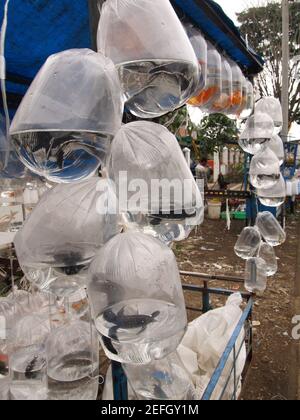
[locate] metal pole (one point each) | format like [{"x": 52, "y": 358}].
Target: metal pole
[{"x": 285, "y": 67}]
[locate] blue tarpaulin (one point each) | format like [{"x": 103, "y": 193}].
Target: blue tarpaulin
[{"x": 39, "y": 28}]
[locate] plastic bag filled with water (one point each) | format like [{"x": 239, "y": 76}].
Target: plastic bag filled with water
[
  {"x": 68, "y": 117},
  {"x": 248, "y": 243},
  {"x": 267, "y": 253},
  {"x": 247, "y": 107},
  {"x": 147, "y": 163},
  {"x": 277, "y": 146},
  {"x": 270, "y": 229},
  {"x": 27, "y": 359},
  {"x": 212, "y": 88},
  {"x": 273, "y": 108},
  {"x": 256, "y": 275},
  {"x": 257, "y": 133},
  {"x": 63, "y": 233},
  {"x": 265, "y": 170},
  {"x": 156, "y": 62},
  {"x": 275, "y": 196},
  {"x": 161, "y": 380},
  {"x": 223, "y": 102},
  {"x": 237, "y": 90},
  {"x": 73, "y": 363},
  {"x": 137, "y": 299},
  {"x": 10, "y": 165},
  {"x": 200, "y": 47}
]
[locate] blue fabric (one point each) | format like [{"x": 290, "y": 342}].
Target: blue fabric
[{"x": 36, "y": 29}]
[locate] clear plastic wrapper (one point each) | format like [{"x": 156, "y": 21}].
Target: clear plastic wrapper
[
  {"x": 156, "y": 62},
  {"x": 223, "y": 102},
  {"x": 265, "y": 170},
  {"x": 267, "y": 253},
  {"x": 270, "y": 229},
  {"x": 63, "y": 233},
  {"x": 137, "y": 299},
  {"x": 213, "y": 84},
  {"x": 163, "y": 380},
  {"x": 256, "y": 275},
  {"x": 275, "y": 196},
  {"x": 273, "y": 108},
  {"x": 257, "y": 133},
  {"x": 68, "y": 117},
  {"x": 73, "y": 363},
  {"x": 147, "y": 162},
  {"x": 248, "y": 243}
]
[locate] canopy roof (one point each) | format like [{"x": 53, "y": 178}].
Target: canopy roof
[{"x": 37, "y": 29}]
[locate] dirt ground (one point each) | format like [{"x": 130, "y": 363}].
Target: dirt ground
[{"x": 210, "y": 250}]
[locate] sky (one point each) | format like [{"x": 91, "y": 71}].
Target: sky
[{"x": 231, "y": 7}]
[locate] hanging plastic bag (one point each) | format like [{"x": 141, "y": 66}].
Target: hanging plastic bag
[
  {"x": 157, "y": 65},
  {"x": 256, "y": 275},
  {"x": 257, "y": 133},
  {"x": 10, "y": 165},
  {"x": 247, "y": 106},
  {"x": 267, "y": 253},
  {"x": 162, "y": 380},
  {"x": 200, "y": 47},
  {"x": 213, "y": 85},
  {"x": 270, "y": 229},
  {"x": 147, "y": 162},
  {"x": 64, "y": 231},
  {"x": 73, "y": 363},
  {"x": 273, "y": 108},
  {"x": 265, "y": 170},
  {"x": 68, "y": 117},
  {"x": 276, "y": 145},
  {"x": 237, "y": 90},
  {"x": 275, "y": 196},
  {"x": 137, "y": 299},
  {"x": 248, "y": 243},
  {"x": 223, "y": 102}
]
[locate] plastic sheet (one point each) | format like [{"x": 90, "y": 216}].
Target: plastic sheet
[
  {"x": 157, "y": 77},
  {"x": 265, "y": 170},
  {"x": 64, "y": 231},
  {"x": 68, "y": 117},
  {"x": 257, "y": 133},
  {"x": 137, "y": 299}
]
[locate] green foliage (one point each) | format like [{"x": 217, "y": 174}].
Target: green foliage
[
  {"x": 213, "y": 133},
  {"x": 263, "y": 27}
]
